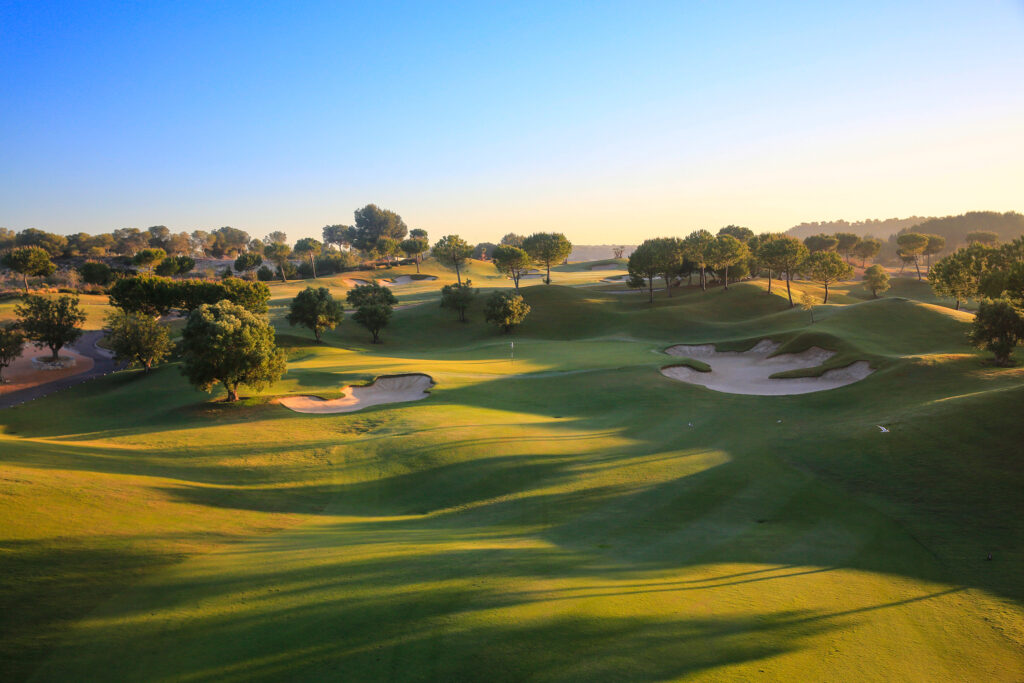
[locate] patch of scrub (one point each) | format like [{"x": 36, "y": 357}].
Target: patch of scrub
[
  {"x": 750, "y": 372},
  {"x": 406, "y": 280},
  {"x": 386, "y": 389}
]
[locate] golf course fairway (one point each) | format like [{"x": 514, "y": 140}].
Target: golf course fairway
[{"x": 563, "y": 513}]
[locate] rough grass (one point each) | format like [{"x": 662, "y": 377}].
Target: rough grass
[{"x": 550, "y": 517}]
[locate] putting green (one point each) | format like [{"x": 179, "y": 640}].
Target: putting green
[{"x": 568, "y": 513}]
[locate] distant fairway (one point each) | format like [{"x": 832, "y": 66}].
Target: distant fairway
[{"x": 571, "y": 515}]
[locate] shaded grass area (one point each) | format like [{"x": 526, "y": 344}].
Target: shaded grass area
[{"x": 551, "y": 517}]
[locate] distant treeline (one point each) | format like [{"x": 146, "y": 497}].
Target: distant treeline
[{"x": 868, "y": 228}]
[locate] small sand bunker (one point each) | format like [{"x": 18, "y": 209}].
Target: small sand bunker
[
  {"x": 386, "y": 389},
  {"x": 406, "y": 280},
  {"x": 352, "y": 282},
  {"x": 749, "y": 372}
]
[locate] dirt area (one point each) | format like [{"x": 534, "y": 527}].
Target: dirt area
[{"x": 22, "y": 375}]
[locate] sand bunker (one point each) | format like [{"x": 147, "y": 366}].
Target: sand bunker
[
  {"x": 406, "y": 279},
  {"x": 749, "y": 372},
  {"x": 352, "y": 282},
  {"x": 386, "y": 389}
]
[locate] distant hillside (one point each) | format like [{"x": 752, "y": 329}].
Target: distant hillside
[
  {"x": 1009, "y": 226},
  {"x": 598, "y": 252},
  {"x": 876, "y": 228}
]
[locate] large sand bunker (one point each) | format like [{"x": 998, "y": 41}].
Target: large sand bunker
[
  {"x": 406, "y": 280},
  {"x": 386, "y": 389},
  {"x": 749, "y": 372}
]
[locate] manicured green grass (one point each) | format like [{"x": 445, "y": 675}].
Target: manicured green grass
[{"x": 552, "y": 516}]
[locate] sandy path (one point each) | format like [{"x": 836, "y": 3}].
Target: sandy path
[
  {"x": 749, "y": 372},
  {"x": 387, "y": 389}
]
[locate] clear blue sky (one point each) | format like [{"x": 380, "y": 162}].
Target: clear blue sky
[{"x": 609, "y": 121}]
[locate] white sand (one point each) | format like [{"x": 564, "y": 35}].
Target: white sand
[
  {"x": 405, "y": 280},
  {"x": 749, "y": 372},
  {"x": 352, "y": 282},
  {"x": 387, "y": 389}
]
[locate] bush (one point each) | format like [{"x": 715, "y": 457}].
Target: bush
[
  {"x": 506, "y": 310},
  {"x": 265, "y": 274},
  {"x": 95, "y": 273}
]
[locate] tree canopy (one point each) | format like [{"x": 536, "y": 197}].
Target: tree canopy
[
  {"x": 546, "y": 248},
  {"x": 452, "y": 251},
  {"x": 223, "y": 343},
  {"x": 876, "y": 279},
  {"x": 728, "y": 251},
  {"x": 506, "y": 310},
  {"x": 821, "y": 242},
  {"x": 826, "y": 267},
  {"x": 137, "y": 339},
  {"x": 784, "y": 254},
  {"x": 51, "y": 322},
  {"x": 373, "y": 305},
  {"x": 999, "y": 328},
  {"x": 278, "y": 253},
  {"x": 372, "y": 223},
  {"x": 31, "y": 261},
  {"x": 11, "y": 342},
  {"x": 698, "y": 248},
  {"x": 316, "y": 309},
  {"x": 511, "y": 261},
  {"x": 458, "y": 297},
  {"x": 310, "y": 248}
]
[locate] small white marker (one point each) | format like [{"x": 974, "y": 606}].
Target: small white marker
[{"x": 884, "y": 430}]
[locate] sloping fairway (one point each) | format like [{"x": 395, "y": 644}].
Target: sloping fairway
[{"x": 571, "y": 515}]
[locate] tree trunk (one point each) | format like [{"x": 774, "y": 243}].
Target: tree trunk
[
  {"x": 280, "y": 269},
  {"x": 826, "y": 294},
  {"x": 548, "y": 281},
  {"x": 769, "y": 280},
  {"x": 515, "y": 279},
  {"x": 668, "y": 285},
  {"x": 232, "y": 392},
  {"x": 789, "y": 292},
  {"x": 650, "y": 289},
  {"x": 56, "y": 351},
  {"x": 312, "y": 264},
  {"x": 376, "y": 336},
  {"x": 457, "y": 273},
  {"x": 727, "y": 277},
  {"x": 703, "y": 280},
  {"x": 917, "y": 265},
  {"x": 417, "y": 264},
  {"x": 958, "y": 304}
]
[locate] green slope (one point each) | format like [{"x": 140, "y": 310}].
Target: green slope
[{"x": 554, "y": 518}]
